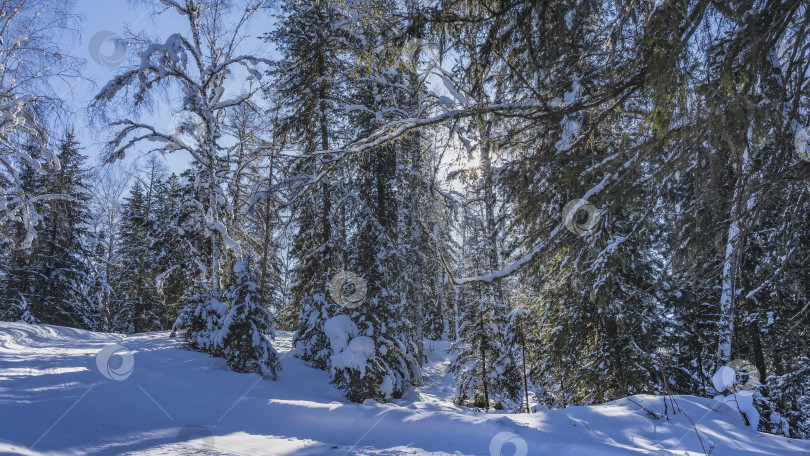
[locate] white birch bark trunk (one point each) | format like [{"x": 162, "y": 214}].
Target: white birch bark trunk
[{"x": 734, "y": 246}]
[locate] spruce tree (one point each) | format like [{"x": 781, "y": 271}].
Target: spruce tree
[
  {"x": 175, "y": 243},
  {"x": 246, "y": 328},
  {"x": 482, "y": 361},
  {"x": 139, "y": 309},
  {"x": 390, "y": 365},
  {"x": 49, "y": 280},
  {"x": 308, "y": 80}
]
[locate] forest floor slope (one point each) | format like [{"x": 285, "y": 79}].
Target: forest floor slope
[{"x": 67, "y": 391}]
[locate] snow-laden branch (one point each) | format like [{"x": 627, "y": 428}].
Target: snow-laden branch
[{"x": 135, "y": 133}]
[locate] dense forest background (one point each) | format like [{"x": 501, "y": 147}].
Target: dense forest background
[{"x": 592, "y": 199}]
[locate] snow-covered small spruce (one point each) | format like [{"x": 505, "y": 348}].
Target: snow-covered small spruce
[
  {"x": 200, "y": 320},
  {"x": 246, "y": 330}
]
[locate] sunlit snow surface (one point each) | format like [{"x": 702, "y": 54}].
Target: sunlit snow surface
[{"x": 54, "y": 399}]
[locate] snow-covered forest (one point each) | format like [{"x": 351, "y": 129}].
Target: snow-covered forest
[{"x": 529, "y": 206}]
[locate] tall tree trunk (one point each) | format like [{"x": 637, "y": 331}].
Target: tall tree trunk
[
  {"x": 756, "y": 342},
  {"x": 215, "y": 262},
  {"x": 414, "y": 182},
  {"x": 523, "y": 358},
  {"x": 324, "y": 132},
  {"x": 263, "y": 279},
  {"x": 442, "y": 282},
  {"x": 456, "y": 318},
  {"x": 734, "y": 245},
  {"x": 216, "y": 236},
  {"x": 483, "y": 357},
  {"x": 416, "y": 241},
  {"x": 489, "y": 207}
]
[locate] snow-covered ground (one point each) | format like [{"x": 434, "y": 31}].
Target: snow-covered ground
[{"x": 67, "y": 391}]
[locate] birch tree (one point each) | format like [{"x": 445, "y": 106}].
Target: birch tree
[
  {"x": 203, "y": 63},
  {"x": 30, "y": 66}
]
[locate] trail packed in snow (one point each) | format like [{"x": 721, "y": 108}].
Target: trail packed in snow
[{"x": 68, "y": 391}]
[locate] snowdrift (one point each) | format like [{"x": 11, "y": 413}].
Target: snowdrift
[{"x": 67, "y": 391}]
